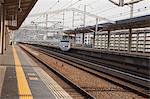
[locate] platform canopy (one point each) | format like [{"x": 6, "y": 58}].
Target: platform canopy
[
  {"x": 16, "y": 11},
  {"x": 137, "y": 22}
]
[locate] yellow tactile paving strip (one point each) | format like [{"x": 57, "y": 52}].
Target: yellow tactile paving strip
[
  {"x": 56, "y": 89},
  {"x": 51, "y": 84},
  {"x": 23, "y": 87}
]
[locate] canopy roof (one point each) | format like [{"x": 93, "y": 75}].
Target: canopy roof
[
  {"x": 137, "y": 22},
  {"x": 16, "y": 11}
]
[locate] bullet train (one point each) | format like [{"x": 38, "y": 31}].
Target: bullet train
[{"x": 64, "y": 44}]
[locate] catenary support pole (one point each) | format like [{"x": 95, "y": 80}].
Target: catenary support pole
[
  {"x": 73, "y": 20},
  {"x": 96, "y": 30},
  {"x": 83, "y": 34}
]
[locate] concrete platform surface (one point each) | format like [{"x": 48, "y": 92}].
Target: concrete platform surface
[{"x": 22, "y": 78}]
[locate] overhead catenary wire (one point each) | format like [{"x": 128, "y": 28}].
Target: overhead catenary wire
[
  {"x": 67, "y": 7},
  {"x": 105, "y": 10},
  {"x": 67, "y": 4},
  {"x": 72, "y": 3},
  {"x": 47, "y": 10},
  {"x": 138, "y": 10},
  {"x": 93, "y": 2}
]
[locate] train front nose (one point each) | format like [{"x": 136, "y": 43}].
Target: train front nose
[{"x": 64, "y": 45}]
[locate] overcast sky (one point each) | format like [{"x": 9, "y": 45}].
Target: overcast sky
[{"x": 102, "y": 8}]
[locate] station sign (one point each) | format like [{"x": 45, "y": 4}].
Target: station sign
[{"x": 11, "y": 23}]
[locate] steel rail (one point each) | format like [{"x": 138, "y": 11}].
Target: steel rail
[
  {"x": 68, "y": 81},
  {"x": 134, "y": 82}
]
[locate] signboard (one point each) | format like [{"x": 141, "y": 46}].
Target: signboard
[{"x": 12, "y": 23}]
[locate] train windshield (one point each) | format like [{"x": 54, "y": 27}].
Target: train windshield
[{"x": 64, "y": 41}]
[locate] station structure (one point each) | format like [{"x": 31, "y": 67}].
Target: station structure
[
  {"x": 119, "y": 53},
  {"x": 13, "y": 13}
]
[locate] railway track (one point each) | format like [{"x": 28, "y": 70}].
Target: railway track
[
  {"x": 131, "y": 68},
  {"x": 79, "y": 94},
  {"x": 138, "y": 70},
  {"x": 137, "y": 84}
]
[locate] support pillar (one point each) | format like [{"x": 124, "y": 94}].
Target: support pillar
[
  {"x": 96, "y": 30},
  {"x": 83, "y": 39},
  {"x": 2, "y": 28},
  {"x": 5, "y": 38},
  {"x": 74, "y": 40},
  {"x": 108, "y": 41},
  {"x": 94, "y": 39},
  {"x": 129, "y": 41}
]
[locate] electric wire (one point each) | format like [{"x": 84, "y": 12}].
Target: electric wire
[
  {"x": 68, "y": 5},
  {"x": 138, "y": 10},
  {"x": 93, "y": 2},
  {"x": 47, "y": 10}
]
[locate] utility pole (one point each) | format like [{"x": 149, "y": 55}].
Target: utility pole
[
  {"x": 84, "y": 15},
  {"x": 96, "y": 30},
  {"x": 63, "y": 19},
  {"x": 83, "y": 25},
  {"x": 121, "y": 3},
  {"x": 131, "y": 10},
  {"x": 73, "y": 20},
  {"x": 130, "y": 4},
  {"x": 46, "y": 23},
  {"x": 73, "y": 27}
]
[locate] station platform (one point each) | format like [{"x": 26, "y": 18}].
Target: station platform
[
  {"x": 125, "y": 53},
  {"x": 22, "y": 78}
]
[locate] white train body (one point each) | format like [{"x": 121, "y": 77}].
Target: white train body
[{"x": 64, "y": 45}]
